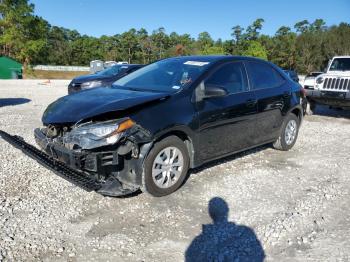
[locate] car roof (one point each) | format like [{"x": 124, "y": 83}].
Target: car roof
[
  {"x": 344, "y": 56},
  {"x": 215, "y": 58},
  {"x": 127, "y": 65}
]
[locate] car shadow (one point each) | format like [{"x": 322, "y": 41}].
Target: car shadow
[
  {"x": 322, "y": 110},
  {"x": 223, "y": 240},
  {"x": 130, "y": 195},
  {"x": 13, "y": 101}
]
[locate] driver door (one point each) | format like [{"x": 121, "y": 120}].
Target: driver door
[{"x": 226, "y": 123}]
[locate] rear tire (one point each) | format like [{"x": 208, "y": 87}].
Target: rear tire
[
  {"x": 289, "y": 133},
  {"x": 165, "y": 167}
]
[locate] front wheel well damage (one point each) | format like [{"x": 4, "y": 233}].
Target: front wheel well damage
[{"x": 185, "y": 138}]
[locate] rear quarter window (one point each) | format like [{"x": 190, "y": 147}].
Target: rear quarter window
[{"x": 263, "y": 75}]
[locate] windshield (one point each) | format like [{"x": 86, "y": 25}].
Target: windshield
[
  {"x": 111, "y": 71},
  {"x": 167, "y": 75},
  {"x": 340, "y": 64},
  {"x": 314, "y": 74}
]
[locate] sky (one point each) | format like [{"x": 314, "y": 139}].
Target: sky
[{"x": 110, "y": 17}]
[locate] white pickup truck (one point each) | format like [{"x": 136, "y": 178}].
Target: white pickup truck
[{"x": 333, "y": 87}]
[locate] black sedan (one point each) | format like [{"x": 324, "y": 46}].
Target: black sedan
[
  {"x": 103, "y": 78},
  {"x": 153, "y": 125}
]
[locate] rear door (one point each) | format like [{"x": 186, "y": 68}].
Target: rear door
[
  {"x": 273, "y": 94},
  {"x": 226, "y": 124}
]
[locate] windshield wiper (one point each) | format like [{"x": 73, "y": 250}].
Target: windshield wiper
[{"x": 138, "y": 89}]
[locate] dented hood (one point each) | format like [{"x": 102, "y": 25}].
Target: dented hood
[{"x": 90, "y": 103}]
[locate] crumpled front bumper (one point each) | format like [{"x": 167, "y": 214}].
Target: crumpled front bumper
[
  {"x": 96, "y": 162},
  {"x": 66, "y": 164},
  {"x": 78, "y": 178}
]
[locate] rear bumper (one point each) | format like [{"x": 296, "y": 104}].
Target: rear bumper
[
  {"x": 73, "y": 166},
  {"x": 332, "y": 98}
]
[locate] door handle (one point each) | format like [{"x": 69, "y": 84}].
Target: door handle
[{"x": 251, "y": 102}]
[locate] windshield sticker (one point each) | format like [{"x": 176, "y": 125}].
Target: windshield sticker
[
  {"x": 196, "y": 63},
  {"x": 176, "y": 87}
]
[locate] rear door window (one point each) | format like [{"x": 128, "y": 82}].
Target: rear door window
[{"x": 262, "y": 75}]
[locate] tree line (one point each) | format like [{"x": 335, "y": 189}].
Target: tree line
[{"x": 32, "y": 40}]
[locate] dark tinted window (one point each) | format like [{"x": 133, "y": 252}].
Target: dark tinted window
[
  {"x": 263, "y": 75},
  {"x": 314, "y": 74},
  {"x": 230, "y": 76},
  {"x": 113, "y": 70},
  {"x": 132, "y": 69}
]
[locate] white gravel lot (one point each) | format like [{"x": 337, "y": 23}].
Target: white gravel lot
[{"x": 297, "y": 203}]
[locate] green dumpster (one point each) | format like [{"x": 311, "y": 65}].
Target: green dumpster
[{"x": 9, "y": 68}]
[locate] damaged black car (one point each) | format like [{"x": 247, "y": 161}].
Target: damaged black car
[{"x": 153, "y": 125}]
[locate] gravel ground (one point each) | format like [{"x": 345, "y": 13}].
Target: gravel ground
[{"x": 286, "y": 206}]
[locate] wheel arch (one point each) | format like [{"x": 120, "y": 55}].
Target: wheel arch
[
  {"x": 298, "y": 111},
  {"x": 184, "y": 135}
]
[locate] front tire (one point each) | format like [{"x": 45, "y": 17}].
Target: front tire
[
  {"x": 289, "y": 133},
  {"x": 165, "y": 167}
]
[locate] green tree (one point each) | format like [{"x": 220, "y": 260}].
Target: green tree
[
  {"x": 310, "y": 45},
  {"x": 213, "y": 50},
  {"x": 302, "y": 26},
  {"x": 318, "y": 25},
  {"x": 255, "y": 49},
  {"x": 204, "y": 41},
  {"x": 237, "y": 32},
  {"x": 58, "y": 51},
  {"x": 23, "y": 35},
  {"x": 129, "y": 44},
  {"x": 252, "y": 32},
  {"x": 145, "y": 45},
  {"x": 336, "y": 42},
  {"x": 159, "y": 43},
  {"x": 30, "y": 39},
  {"x": 245, "y": 41},
  {"x": 283, "y": 48},
  {"x": 180, "y": 45}
]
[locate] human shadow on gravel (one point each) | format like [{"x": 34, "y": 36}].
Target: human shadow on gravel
[
  {"x": 13, "y": 101},
  {"x": 224, "y": 240}
]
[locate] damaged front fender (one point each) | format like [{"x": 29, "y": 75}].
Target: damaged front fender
[{"x": 130, "y": 176}]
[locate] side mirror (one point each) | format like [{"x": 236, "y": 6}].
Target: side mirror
[{"x": 214, "y": 91}]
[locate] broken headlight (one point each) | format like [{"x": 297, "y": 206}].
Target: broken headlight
[{"x": 93, "y": 135}]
